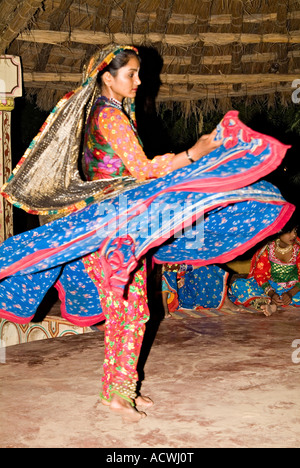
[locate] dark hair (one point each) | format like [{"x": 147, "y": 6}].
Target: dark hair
[
  {"x": 120, "y": 60},
  {"x": 293, "y": 223}
]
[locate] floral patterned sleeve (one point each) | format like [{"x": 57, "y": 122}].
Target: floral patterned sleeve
[
  {"x": 116, "y": 129},
  {"x": 262, "y": 270}
]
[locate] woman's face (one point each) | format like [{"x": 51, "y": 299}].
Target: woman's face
[
  {"x": 126, "y": 82},
  {"x": 289, "y": 237}
]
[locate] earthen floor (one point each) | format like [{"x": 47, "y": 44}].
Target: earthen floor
[{"x": 229, "y": 381}]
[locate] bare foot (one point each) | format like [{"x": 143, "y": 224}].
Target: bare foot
[
  {"x": 128, "y": 412},
  {"x": 105, "y": 402},
  {"x": 269, "y": 309},
  {"x": 143, "y": 401}
]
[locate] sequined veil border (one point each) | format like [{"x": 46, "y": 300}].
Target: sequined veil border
[{"x": 58, "y": 188}]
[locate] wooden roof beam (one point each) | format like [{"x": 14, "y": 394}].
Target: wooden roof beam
[
  {"x": 180, "y": 93},
  {"x": 178, "y": 40},
  {"x": 168, "y": 60},
  {"x": 171, "y": 79},
  {"x": 261, "y": 57},
  {"x": 184, "y": 18}
]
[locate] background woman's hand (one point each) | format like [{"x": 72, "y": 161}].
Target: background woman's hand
[
  {"x": 286, "y": 298},
  {"x": 276, "y": 299}
]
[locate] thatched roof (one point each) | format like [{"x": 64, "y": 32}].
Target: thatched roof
[{"x": 212, "y": 50}]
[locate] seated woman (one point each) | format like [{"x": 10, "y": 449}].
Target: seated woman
[
  {"x": 274, "y": 278},
  {"x": 190, "y": 287}
]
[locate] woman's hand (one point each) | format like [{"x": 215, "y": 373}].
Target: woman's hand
[
  {"x": 276, "y": 299},
  {"x": 286, "y": 298},
  {"x": 205, "y": 145}
]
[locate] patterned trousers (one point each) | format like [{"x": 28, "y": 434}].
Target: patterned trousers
[{"x": 125, "y": 323}]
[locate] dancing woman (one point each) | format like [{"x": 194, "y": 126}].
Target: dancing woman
[
  {"x": 92, "y": 248},
  {"x": 112, "y": 149}
]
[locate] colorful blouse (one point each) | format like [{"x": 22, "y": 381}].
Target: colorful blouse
[
  {"x": 112, "y": 147},
  {"x": 266, "y": 266}
]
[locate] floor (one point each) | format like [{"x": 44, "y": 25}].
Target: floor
[{"x": 220, "y": 381}]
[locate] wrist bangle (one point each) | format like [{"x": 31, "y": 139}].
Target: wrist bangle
[
  {"x": 190, "y": 157},
  {"x": 269, "y": 289}
]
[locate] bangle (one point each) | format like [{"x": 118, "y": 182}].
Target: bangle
[
  {"x": 190, "y": 157},
  {"x": 269, "y": 289}
]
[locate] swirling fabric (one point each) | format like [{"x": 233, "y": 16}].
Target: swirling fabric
[{"x": 207, "y": 212}]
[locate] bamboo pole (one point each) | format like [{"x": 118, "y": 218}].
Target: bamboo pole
[
  {"x": 180, "y": 40},
  {"x": 172, "y": 79},
  {"x": 189, "y": 19},
  {"x": 179, "y": 93}
]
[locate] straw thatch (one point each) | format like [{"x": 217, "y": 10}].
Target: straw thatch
[{"x": 212, "y": 50}]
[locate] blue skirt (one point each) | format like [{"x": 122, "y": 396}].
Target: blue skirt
[
  {"x": 201, "y": 288},
  {"x": 244, "y": 290},
  {"x": 207, "y": 212}
]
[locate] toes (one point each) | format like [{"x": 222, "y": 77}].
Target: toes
[
  {"x": 129, "y": 414},
  {"x": 144, "y": 401},
  {"x": 136, "y": 416},
  {"x": 105, "y": 402}
]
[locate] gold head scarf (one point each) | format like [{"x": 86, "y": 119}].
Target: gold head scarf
[{"x": 47, "y": 181}]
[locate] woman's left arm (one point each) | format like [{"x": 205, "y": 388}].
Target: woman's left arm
[
  {"x": 117, "y": 131},
  {"x": 121, "y": 137}
]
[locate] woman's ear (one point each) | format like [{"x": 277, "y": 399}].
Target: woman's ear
[{"x": 107, "y": 78}]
